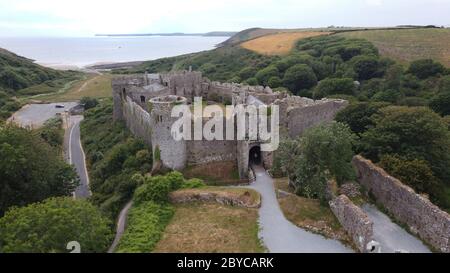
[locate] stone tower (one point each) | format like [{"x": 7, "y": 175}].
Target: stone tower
[{"x": 172, "y": 153}]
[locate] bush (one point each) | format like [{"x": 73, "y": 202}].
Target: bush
[
  {"x": 358, "y": 116},
  {"x": 275, "y": 82},
  {"x": 414, "y": 173},
  {"x": 333, "y": 86},
  {"x": 88, "y": 102},
  {"x": 265, "y": 74},
  {"x": 145, "y": 227},
  {"x": 366, "y": 67},
  {"x": 299, "y": 77},
  {"x": 410, "y": 132},
  {"x": 426, "y": 68},
  {"x": 175, "y": 179},
  {"x": 441, "y": 103},
  {"x": 47, "y": 227},
  {"x": 193, "y": 183},
  {"x": 155, "y": 189}
]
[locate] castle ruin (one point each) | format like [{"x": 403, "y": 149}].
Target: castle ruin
[{"x": 145, "y": 102}]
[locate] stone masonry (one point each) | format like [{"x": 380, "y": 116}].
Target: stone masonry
[
  {"x": 145, "y": 101},
  {"x": 422, "y": 217},
  {"x": 354, "y": 220}
]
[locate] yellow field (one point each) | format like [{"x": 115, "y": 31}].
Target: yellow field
[
  {"x": 95, "y": 86},
  {"x": 406, "y": 45},
  {"x": 278, "y": 44}
]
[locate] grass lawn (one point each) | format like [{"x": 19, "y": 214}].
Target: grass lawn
[
  {"x": 211, "y": 228},
  {"x": 310, "y": 214},
  {"x": 215, "y": 174},
  {"x": 95, "y": 86},
  {"x": 407, "y": 45},
  {"x": 278, "y": 44}
]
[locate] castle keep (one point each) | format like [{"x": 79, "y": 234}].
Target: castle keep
[{"x": 145, "y": 103}]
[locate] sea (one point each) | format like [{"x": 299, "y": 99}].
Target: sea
[{"x": 79, "y": 52}]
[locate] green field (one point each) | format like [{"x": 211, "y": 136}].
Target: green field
[{"x": 406, "y": 45}]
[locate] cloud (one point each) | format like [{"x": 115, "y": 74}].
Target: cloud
[{"x": 87, "y": 17}]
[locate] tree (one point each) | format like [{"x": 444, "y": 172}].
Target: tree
[
  {"x": 299, "y": 77},
  {"x": 30, "y": 169},
  {"x": 265, "y": 74},
  {"x": 366, "y": 67},
  {"x": 412, "y": 133},
  {"x": 275, "y": 82},
  {"x": 88, "y": 102},
  {"x": 247, "y": 72},
  {"x": 415, "y": 173},
  {"x": 425, "y": 68},
  {"x": 358, "y": 116},
  {"x": 441, "y": 103},
  {"x": 48, "y": 227},
  {"x": 323, "y": 153},
  {"x": 333, "y": 86}
]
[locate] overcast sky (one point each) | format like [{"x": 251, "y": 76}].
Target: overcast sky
[{"x": 87, "y": 17}]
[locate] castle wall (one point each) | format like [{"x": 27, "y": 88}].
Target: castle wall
[
  {"x": 354, "y": 220},
  {"x": 301, "y": 118},
  {"x": 138, "y": 120},
  {"x": 172, "y": 152},
  {"x": 202, "y": 151},
  {"x": 423, "y": 218}
]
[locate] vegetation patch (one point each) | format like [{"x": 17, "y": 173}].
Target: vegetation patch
[
  {"x": 216, "y": 173},
  {"x": 49, "y": 226},
  {"x": 93, "y": 86},
  {"x": 211, "y": 228},
  {"x": 278, "y": 44},
  {"x": 226, "y": 196},
  {"x": 113, "y": 157},
  {"x": 310, "y": 214},
  {"x": 406, "y": 45},
  {"x": 145, "y": 225}
]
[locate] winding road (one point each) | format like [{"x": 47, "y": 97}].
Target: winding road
[
  {"x": 279, "y": 234},
  {"x": 76, "y": 155}
]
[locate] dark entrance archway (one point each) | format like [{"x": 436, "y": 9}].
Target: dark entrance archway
[{"x": 254, "y": 156}]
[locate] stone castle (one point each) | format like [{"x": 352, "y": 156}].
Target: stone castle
[{"x": 145, "y": 102}]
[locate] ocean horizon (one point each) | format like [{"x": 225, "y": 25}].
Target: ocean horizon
[{"x": 79, "y": 52}]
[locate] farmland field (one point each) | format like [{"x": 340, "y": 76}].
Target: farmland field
[
  {"x": 407, "y": 45},
  {"x": 278, "y": 44}
]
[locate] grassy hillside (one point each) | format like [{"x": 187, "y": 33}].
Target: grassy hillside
[
  {"x": 20, "y": 76},
  {"x": 406, "y": 45},
  {"x": 280, "y": 43}
]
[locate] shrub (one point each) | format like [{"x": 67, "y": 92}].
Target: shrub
[
  {"x": 415, "y": 173},
  {"x": 333, "y": 86},
  {"x": 299, "y": 77},
  {"x": 193, "y": 183},
  {"x": 265, "y": 74},
  {"x": 275, "y": 82},
  {"x": 425, "y": 68},
  {"x": 146, "y": 224},
  {"x": 175, "y": 179},
  {"x": 366, "y": 67},
  {"x": 358, "y": 116},
  {"x": 88, "y": 102},
  {"x": 155, "y": 189},
  {"x": 48, "y": 227},
  {"x": 441, "y": 103}
]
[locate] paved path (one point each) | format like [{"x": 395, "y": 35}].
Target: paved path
[
  {"x": 121, "y": 224},
  {"x": 279, "y": 234},
  {"x": 391, "y": 236},
  {"x": 76, "y": 156}
]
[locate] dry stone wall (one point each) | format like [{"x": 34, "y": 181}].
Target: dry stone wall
[
  {"x": 354, "y": 220},
  {"x": 423, "y": 218}
]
